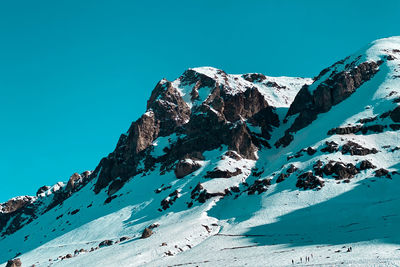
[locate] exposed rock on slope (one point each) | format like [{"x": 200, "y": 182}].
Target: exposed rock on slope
[{"x": 199, "y": 166}]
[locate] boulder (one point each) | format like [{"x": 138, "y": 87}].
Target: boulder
[
  {"x": 382, "y": 172},
  {"x": 147, "y": 232},
  {"x": 185, "y": 167},
  {"x": 309, "y": 181},
  {"x": 14, "y": 263},
  {"x": 366, "y": 164},
  {"x": 106, "y": 243}
]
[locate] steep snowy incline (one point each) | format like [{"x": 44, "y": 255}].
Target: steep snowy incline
[{"x": 195, "y": 180}]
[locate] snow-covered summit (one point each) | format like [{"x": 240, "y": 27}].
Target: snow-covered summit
[{"x": 194, "y": 85}]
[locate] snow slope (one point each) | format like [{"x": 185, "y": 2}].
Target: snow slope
[{"x": 272, "y": 226}]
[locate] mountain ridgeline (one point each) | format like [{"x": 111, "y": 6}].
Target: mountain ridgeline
[{"x": 208, "y": 140}]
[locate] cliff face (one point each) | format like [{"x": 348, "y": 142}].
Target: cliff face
[
  {"x": 220, "y": 162},
  {"x": 205, "y": 108}
]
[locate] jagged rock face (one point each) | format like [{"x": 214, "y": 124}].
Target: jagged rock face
[
  {"x": 329, "y": 91},
  {"x": 169, "y": 107},
  {"x": 218, "y": 120},
  {"x": 15, "y": 204},
  {"x": 73, "y": 180}
]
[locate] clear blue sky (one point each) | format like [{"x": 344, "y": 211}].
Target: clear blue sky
[{"x": 75, "y": 73}]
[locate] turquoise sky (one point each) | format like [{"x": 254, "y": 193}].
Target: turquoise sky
[{"x": 75, "y": 74}]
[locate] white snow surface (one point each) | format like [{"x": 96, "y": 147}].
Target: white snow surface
[{"x": 273, "y": 228}]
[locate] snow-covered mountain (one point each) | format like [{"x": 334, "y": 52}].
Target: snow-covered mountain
[{"x": 233, "y": 170}]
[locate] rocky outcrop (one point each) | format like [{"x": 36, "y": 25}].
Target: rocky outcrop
[
  {"x": 106, "y": 243},
  {"x": 42, "y": 190},
  {"x": 217, "y": 173},
  {"x": 15, "y": 204},
  {"x": 185, "y": 167},
  {"x": 382, "y": 173},
  {"x": 73, "y": 180},
  {"x": 308, "y": 180},
  {"x": 147, "y": 232},
  {"x": 353, "y": 148},
  {"x": 326, "y": 92},
  {"x": 259, "y": 186},
  {"x": 339, "y": 170},
  {"x": 366, "y": 164},
  {"x": 395, "y": 114},
  {"x": 218, "y": 120},
  {"x": 14, "y": 263},
  {"x": 330, "y": 147}
]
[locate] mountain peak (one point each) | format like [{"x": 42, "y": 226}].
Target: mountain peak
[{"x": 198, "y": 173}]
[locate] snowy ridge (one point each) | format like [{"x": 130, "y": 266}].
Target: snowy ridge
[
  {"x": 278, "y": 91},
  {"x": 327, "y": 198}
]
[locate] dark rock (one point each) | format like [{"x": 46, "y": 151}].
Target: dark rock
[
  {"x": 74, "y": 212},
  {"x": 233, "y": 155},
  {"x": 109, "y": 199},
  {"x": 377, "y": 128},
  {"x": 311, "y": 151},
  {"x": 42, "y": 190},
  {"x": 318, "y": 170},
  {"x": 217, "y": 173},
  {"x": 369, "y": 119},
  {"x": 259, "y": 186},
  {"x": 185, "y": 167},
  {"x": 254, "y": 77},
  {"x": 344, "y": 171},
  {"x": 106, "y": 243},
  {"x": 395, "y": 127},
  {"x": 366, "y": 164},
  {"x": 330, "y": 147},
  {"x": 167, "y": 202},
  {"x": 281, "y": 177},
  {"x": 291, "y": 169},
  {"x": 115, "y": 186},
  {"x": 329, "y": 92},
  {"x": 14, "y": 263},
  {"x": 382, "y": 172},
  {"x": 196, "y": 191},
  {"x": 204, "y": 196},
  {"x": 355, "y": 149},
  {"x": 15, "y": 204},
  {"x": 395, "y": 114},
  {"x": 235, "y": 189},
  {"x": 309, "y": 181},
  {"x": 73, "y": 180},
  {"x": 155, "y": 225},
  {"x": 284, "y": 141},
  {"x": 345, "y": 130},
  {"x": 147, "y": 232},
  {"x": 68, "y": 256},
  {"x": 385, "y": 114},
  {"x": 124, "y": 238}
]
